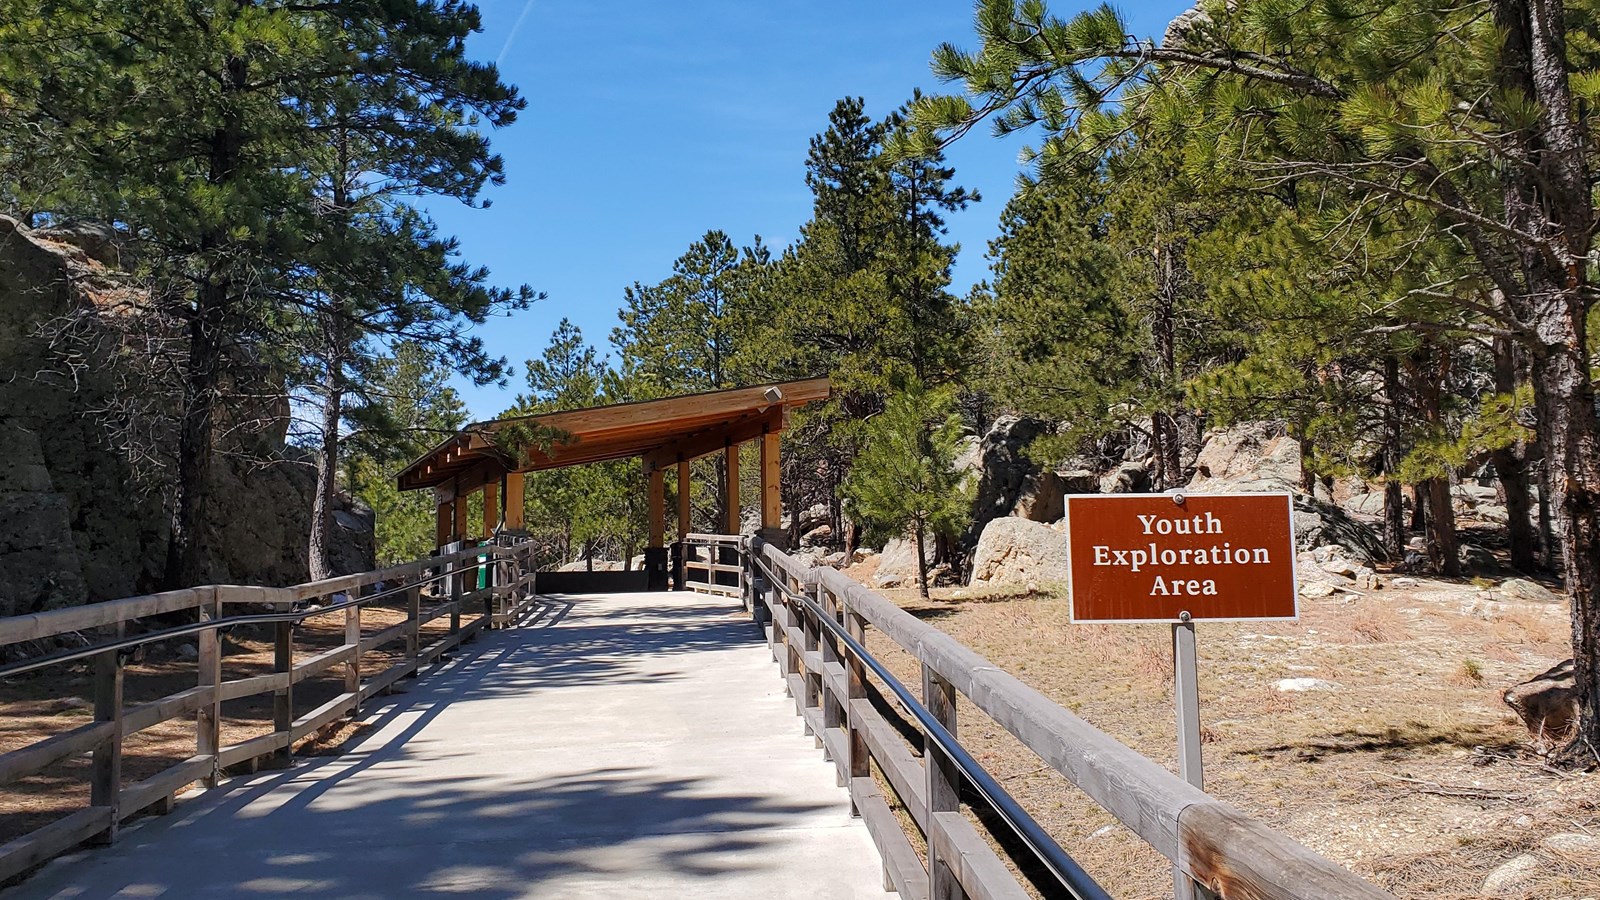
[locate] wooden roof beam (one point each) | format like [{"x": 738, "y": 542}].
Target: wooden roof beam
[{"x": 708, "y": 442}]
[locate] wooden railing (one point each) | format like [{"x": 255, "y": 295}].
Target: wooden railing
[
  {"x": 1225, "y": 852},
  {"x": 452, "y": 590},
  {"x": 719, "y": 557}
]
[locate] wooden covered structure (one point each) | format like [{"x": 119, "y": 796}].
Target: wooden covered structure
[{"x": 666, "y": 435}]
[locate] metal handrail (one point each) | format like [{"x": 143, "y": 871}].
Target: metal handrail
[
  {"x": 1061, "y": 864},
  {"x": 166, "y": 634}
]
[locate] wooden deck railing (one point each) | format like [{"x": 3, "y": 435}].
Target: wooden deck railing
[
  {"x": 1224, "y": 851},
  {"x": 720, "y": 558},
  {"x": 454, "y": 592}
]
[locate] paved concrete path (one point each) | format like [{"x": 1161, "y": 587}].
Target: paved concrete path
[{"x": 632, "y": 745}]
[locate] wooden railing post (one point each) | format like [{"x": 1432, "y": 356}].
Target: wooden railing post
[
  {"x": 283, "y": 698},
  {"x": 813, "y": 679},
  {"x": 860, "y": 761},
  {"x": 352, "y": 672},
  {"x": 742, "y": 577},
  {"x": 780, "y": 632},
  {"x": 455, "y": 605},
  {"x": 105, "y": 784},
  {"x": 832, "y": 706},
  {"x": 413, "y": 630},
  {"x": 943, "y": 783},
  {"x": 208, "y": 718}
]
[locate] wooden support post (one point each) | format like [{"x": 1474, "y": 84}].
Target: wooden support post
[
  {"x": 943, "y": 781},
  {"x": 684, "y": 498},
  {"x": 105, "y": 780},
  {"x": 655, "y": 550},
  {"x": 413, "y": 629},
  {"x": 444, "y": 522},
  {"x": 455, "y": 607},
  {"x": 771, "y": 488},
  {"x": 516, "y": 496},
  {"x": 730, "y": 501},
  {"x": 680, "y": 549},
  {"x": 459, "y": 529},
  {"x": 283, "y": 698},
  {"x": 352, "y": 672},
  {"x": 856, "y": 685},
  {"x": 832, "y": 706},
  {"x": 657, "y": 508},
  {"x": 491, "y": 508},
  {"x": 208, "y": 718},
  {"x": 810, "y": 627}
]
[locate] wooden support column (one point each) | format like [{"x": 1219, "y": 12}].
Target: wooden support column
[
  {"x": 658, "y": 508},
  {"x": 943, "y": 784},
  {"x": 208, "y": 718},
  {"x": 730, "y": 502},
  {"x": 771, "y": 490},
  {"x": 683, "y": 498},
  {"x": 459, "y": 530},
  {"x": 283, "y": 698},
  {"x": 655, "y": 551},
  {"x": 444, "y": 521},
  {"x": 680, "y": 550},
  {"x": 515, "y": 497},
  {"x": 491, "y": 508},
  {"x": 105, "y": 778}
]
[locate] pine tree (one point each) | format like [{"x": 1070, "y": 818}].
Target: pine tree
[
  {"x": 410, "y": 408},
  {"x": 906, "y": 477},
  {"x": 1366, "y": 107},
  {"x": 193, "y": 131}
]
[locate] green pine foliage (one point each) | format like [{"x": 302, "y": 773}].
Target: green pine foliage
[{"x": 905, "y": 480}]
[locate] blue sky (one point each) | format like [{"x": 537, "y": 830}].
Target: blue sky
[{"x": 649, "y": 123}]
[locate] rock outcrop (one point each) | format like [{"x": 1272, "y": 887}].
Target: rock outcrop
[
  {"x": 1261, "y": 456},
  {"x": 897, "y": 564},
  {"x": 81, "y": 522},
  {"x": 1015, "y": 552},
  {"x": 1251, "y": 456},
  {"x": 1042, "y": 498},
  {"x": 1001, "y": 469},
  {"x": 1547, "y": 704}
]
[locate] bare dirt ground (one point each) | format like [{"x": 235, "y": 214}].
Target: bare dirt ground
[
  {"x": 47, "y": 702},
  {"x": 1409, "y": 770}
]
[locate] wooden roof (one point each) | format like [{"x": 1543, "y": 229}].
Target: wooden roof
[{"x": 662, "y": 432}]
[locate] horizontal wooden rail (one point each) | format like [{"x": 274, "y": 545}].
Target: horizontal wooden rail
[
  {"x": 41, "y": 625},
  {"x": 37, "y": 846},
  {"x": 1220, "y": 847},
  {"x": 37, "y": 757},
  {"x": 183, "y": 703},
  {"x": 510, "y": 587},
  {"x": 725, "y": 554}
]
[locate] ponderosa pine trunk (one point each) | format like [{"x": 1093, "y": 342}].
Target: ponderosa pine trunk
[
  {"x": 207, "y": 325},
  {"x": 1511, "y": 470},
  {"x": 1444, "y": 549},
  {"x": 1430, "y": 369},
  {"x": 186, "y": 556},
  {"x": 1167, "y": 446},
  {"x": 320, "y": 550},
  {"x": 1550, "y": 199},
  {"x": 1394, "y": 513},
  {"x": 922, "y": 561},
  {"x": 1165, "y": 441}
]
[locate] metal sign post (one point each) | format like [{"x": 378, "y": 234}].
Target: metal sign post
[
  {"x": 1186, "y": 697},
  {"x": 1179, "y": 559}
]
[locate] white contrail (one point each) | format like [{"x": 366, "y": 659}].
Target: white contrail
[{"x": 523, "y": 17}]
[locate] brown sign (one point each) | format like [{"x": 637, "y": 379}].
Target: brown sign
[{"x": 1148, "y": 558}]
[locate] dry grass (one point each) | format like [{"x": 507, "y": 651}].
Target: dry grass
[{"x": 1411, "y": 773}]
